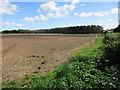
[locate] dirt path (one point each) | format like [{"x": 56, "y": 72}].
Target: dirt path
[{"x": 26, "y": 55}]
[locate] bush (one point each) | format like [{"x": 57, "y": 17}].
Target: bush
[{"x": 111, "y": 49}]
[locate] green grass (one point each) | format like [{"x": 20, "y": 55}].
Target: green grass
[
  {"x": 81, "y": 71},
  {"x": 113, "y": 34}
]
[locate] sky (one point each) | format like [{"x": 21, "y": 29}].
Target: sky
[{"x": 51, "y": 14}]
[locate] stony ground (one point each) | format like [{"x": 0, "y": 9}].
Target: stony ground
[{"x": 37, "y": 53}]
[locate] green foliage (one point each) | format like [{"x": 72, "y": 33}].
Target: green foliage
[
  {"x": 111, "y": 49},
  {"x": 88, "y": 69}
]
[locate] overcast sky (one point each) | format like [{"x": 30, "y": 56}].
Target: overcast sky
[{"x": 50, "y": 14}]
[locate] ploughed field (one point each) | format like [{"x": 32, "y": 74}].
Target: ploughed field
[{"x": 27, "y": 54}]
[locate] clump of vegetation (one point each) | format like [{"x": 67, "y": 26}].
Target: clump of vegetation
[
  {"x": 117, "y": 29},
  {"x": 112, "y": 49},
  {"x": 94, "y": 67}
]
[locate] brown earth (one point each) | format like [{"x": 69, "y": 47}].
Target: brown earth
[{"x": 26, "y": 54}]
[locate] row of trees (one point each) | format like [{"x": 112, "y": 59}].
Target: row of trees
[
  {"x": 15, "y": 31},
  {"x": 65, "y": 30}
]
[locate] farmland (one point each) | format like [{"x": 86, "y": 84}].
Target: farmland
[{"x": 27, "y": 54}]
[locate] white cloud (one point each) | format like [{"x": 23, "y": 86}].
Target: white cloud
[
  {"x": 75, "y": 1},
  {"x": 109, "y": 20},
  {"x": 76, "y": 14},
  {"x": 41, "y": 17},
  {"x": 82, "y": 5},
  {"x": 19, "y": 25},
  {"x": 108, "y": 23},
  {"x": 99, "y": 20},
  {"x": 29, "y": 19},
  {"x": 57, "y": 14},
  {"x": 53, "y": 11},
  {"x": 114, "y": 10},
  {"x": 111, "y": 25},
  {"x": 67, "y": 7},
  {"x": 38, "y": 11},
  {"x": 65, "y": 0},
  {"x": 101, "y": 13},
  {"x": 51, "y": 6},
  {"x": 83, "y": 14},
  {"x": 8, "y": 23},
  {"x": 11, "y": 24},
  {"x": 7, "y": 8},
  {"x": 88, "y": 14},
  {"x": 32, "y": 19}
]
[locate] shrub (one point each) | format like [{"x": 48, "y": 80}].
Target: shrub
[{"x": 111, "y": 49}]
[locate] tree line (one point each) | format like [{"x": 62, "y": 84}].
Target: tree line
[{"x": 89, "y": 29}]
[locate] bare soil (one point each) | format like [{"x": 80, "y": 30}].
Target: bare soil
[{"x": 27, "y": 54}]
